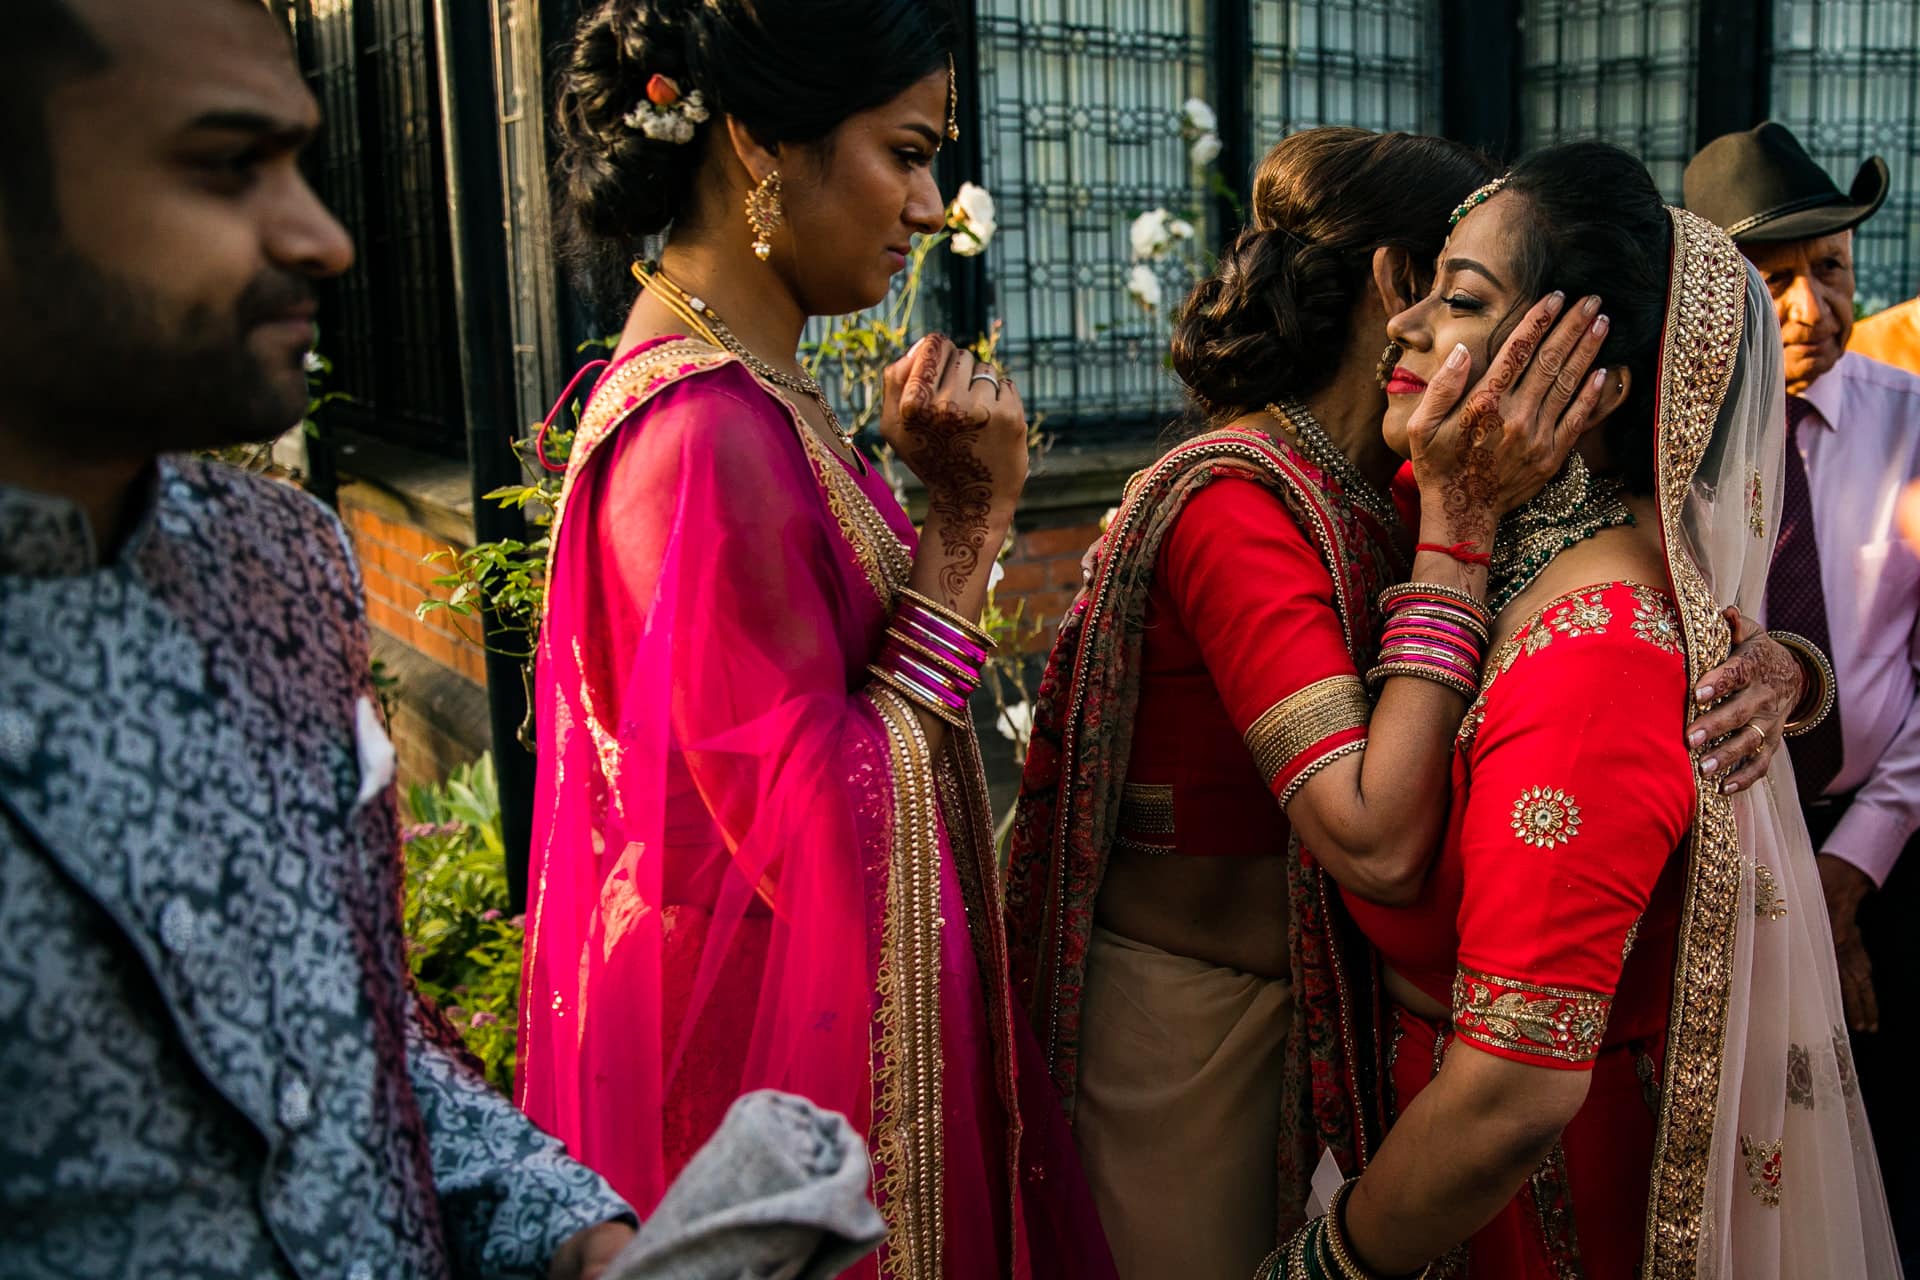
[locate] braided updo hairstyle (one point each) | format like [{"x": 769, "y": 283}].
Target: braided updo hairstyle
[
  {"x": 1272, "y": 320},
  {"x": 789, "y": 70}
]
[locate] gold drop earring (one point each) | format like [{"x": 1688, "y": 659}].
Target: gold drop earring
[{"x": 764, "y": 214}]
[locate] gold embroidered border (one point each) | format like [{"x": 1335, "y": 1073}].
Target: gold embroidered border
[
  {"x": 1145, "y": 848},
  {"x": 618, "y": 399},
  {"x": 1706, "y": 315},
  {"x": 908, "y": 1129},
  {"x": 1307, "y": 771},
  {"x": 1522, "y": 1017},
  {"x": 1292, "y": 726},
  {"x": 882, "y": 557},
  {"x": 1146, "y": 809}
]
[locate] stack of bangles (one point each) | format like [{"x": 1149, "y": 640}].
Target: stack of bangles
[
  {"x": 1436, "y": 633},
  {"x": 932, "y": 657},
  {"x": 1321, "y": 1251},
  {"x": 1817, "y": 702}
]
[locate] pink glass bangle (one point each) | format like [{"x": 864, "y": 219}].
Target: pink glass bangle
[
  {"x": 943, "y": 687},
  {"x": 941, "y": 630},
  {"x": 969, "y": 629},
  {"x": 959, "y": 649},
  {"x": 955, "y": 668},
  {"x": 1409, "y": 652},
  {"x": 1456, "y": 641},
  {"x": 1440, "y": 613},
  {"x": 914, "y": 694}
]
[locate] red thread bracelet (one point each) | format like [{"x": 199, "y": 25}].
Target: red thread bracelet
[{"x": 1462, "y": 551}]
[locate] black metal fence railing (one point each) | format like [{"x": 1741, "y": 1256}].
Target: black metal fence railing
[{"x": 1846, "y": 80}]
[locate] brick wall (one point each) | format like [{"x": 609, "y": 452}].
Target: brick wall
[
  {"x": 440, "y": 720},
  {"x": 1043, "y": 571}
]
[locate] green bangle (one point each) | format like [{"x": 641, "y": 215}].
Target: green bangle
[{"x": 1822, "y": 690}]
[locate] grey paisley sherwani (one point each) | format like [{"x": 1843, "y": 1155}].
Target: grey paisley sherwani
[{"x": 210, "y": 1063}]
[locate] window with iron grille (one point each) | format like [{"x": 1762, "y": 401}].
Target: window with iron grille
[
  {"x": 1846, "y": 80},
  {"x": 1080, "y": 104},
  {"x": 1620, "y": 70},
  {"x": 388, "y": 323}
]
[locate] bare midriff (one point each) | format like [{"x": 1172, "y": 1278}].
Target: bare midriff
[{"x": 1230, "y": 912}]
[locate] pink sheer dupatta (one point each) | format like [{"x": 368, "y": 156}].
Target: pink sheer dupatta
[{"x": 748, "y": 871}]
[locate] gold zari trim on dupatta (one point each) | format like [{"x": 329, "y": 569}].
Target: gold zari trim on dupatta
[
  {"x": 1298, "y": 722},
  {"x": 1706, "y": 316},
  {"x": 908, "y": 1131}
]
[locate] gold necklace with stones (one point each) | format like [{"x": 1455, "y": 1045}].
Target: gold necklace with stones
[
  {"x": 698, "y": 316},
  {"x": 1304, "y": 432},
  {"x": 1573, "y": 507}
]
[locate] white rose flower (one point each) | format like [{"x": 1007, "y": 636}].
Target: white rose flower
[
  {"x": 1145, "y": 287},
  {"x": 314, "y": 363},
  {"x": 994, "y": 575},
  {"x": 1016, "y": 722},
  {"x": 971, "y": 215},
  {"x": 1206, "y": 149},
  {"x": 1180, "y": 229},
  {"x": 1200, "y": 117},
  {"x": 1149, "y": 234}
]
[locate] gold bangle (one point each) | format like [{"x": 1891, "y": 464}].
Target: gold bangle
[
  {"x": 1335, "y": 1236},
  {"x": 1464, "y": 599},
  {"x": 1456, "y": 683},
  {"x": 972, "y": 629},
  {"x": 1823, "y": 687}
]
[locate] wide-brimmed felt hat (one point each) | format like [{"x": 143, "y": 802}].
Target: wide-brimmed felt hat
[{"x": 1761, "y": 186}]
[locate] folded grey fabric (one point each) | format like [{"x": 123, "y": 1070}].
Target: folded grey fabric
[{"x": 778, "y": 1193}]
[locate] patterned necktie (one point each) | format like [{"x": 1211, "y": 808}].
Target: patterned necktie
[{"x": 1796, "y": 602}]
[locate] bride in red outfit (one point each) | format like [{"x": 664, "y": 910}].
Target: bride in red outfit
[{"x": 1615, "y": 1041}]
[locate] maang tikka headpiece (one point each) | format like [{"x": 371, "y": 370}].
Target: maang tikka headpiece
[
  {"x": 953, "y": 101},
  {"x": 1474, "y": 201}
]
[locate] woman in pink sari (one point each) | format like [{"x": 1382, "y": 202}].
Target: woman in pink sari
[{"x": 761, "y": 854}]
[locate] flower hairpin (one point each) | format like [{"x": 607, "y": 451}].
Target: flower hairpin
[{"x": 666, "y": 114}]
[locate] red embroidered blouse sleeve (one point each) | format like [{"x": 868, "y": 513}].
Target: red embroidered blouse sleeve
[
  {"x": 1250, "y": 589},
  {"x": 1580, "y": 789}
]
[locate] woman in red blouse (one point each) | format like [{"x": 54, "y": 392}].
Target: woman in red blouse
[
  {"x": 1546, "y": 1081},
  {"x": 1166, "y": 917}
]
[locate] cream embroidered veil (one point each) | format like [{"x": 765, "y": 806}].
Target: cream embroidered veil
[{"x": 1764, "y": 1169}]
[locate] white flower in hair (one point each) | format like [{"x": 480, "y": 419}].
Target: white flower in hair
[
  {"x": 665, "y": 114},
  {"x": 1144, "y": 286},
  {"x": 971, "y": 215},
  {"x": 1199, "y": 116}
]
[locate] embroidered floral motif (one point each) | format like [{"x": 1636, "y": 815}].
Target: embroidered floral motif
[
  {"x": 1537, "y": 638},
  {"x": 1545, "y": 816},
  {"x": 1756, "y": 506},
  {"x": 1767, "y": 902},
  {"x": 1655, "y": 621},
  {"x": 1843, "y": 1063},
  {"x": 1799, "y": 1076},
  {"x": 1551, "y": 1022},
  {"x": 1763, "y": 1166},
  {"x": 1583, "y": 615}
]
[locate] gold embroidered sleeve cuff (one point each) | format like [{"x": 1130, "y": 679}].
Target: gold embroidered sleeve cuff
[
  {"x": 1303, "y": 733},
  {"x": 1529, "y": 1023}
]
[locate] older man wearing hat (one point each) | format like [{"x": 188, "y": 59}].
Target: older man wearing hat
[{"x": 1843, "y": 577}]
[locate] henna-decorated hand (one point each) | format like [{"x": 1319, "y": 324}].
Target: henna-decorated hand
[
  {"x": 960, "y": 426},
  {"x": 1761, "y": 683},
  {"x": 1479, "y": 457}
]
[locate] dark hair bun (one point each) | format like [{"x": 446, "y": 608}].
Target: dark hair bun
[
  {"x": 1274, "y": 314},
  {"x": 619, "y": 184},
  {"x": 779, "y": 67}
]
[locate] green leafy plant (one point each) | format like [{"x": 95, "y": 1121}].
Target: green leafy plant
[{"x": 462, "y": 945}]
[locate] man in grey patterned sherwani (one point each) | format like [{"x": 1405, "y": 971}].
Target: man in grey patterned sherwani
[{"x": 210, "y": 1061}]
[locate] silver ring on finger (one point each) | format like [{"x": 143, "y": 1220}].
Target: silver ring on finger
[{"x": 987, "y": 375}]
